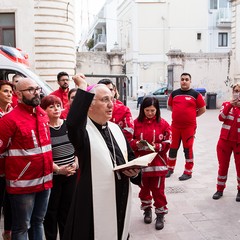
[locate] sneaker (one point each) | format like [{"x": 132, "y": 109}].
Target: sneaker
[
  {"x": 185, "y": 177},
  {"x": 159, "y": 225},
  {"x": 238, "y": 196},
  {"x": 169, "y": 173},
  {"x": 147, "y": 215},
  {"x": 218, "y": 195}
]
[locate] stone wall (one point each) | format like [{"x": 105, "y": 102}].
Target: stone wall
[{"x": 208, "y": 70}]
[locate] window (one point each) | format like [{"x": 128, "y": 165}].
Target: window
[
  {"x": 7, "y": 29},
  {"x": 213, "y": 4},
  {"x": 223, "y": 3},
  {"x": 222, "y": 39},
  {"x": 199, "y": 36},
  {"x": 216, "y": 4}
]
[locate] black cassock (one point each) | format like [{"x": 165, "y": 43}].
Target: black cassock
[{"x": 80, "y": 224}]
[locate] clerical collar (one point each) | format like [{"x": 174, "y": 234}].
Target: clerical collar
[{"x": 99, "y": 126}]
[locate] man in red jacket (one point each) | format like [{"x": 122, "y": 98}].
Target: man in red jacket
[
  {"x": 25, "y": 143},
  {"x": 62, "y": 92},
  {"x": 15, "y": 79},
  {"x": 186, "y": 104}
]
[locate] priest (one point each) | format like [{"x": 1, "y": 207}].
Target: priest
[{"x": 101, "y": 205}]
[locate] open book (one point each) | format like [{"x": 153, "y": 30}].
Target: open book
[{"x": 139, "y": 162}]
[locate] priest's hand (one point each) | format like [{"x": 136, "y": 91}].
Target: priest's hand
[
  {"x": 79, "y": 80},
  {"x": 131, "y": 172}
]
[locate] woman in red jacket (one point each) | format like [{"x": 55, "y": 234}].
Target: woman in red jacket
[
  {"x": 155, "y": 130},
  {"x": 229, "y": 142}
]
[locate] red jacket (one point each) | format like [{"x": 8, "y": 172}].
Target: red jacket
[
  {"x": 230, "y": 116},
  {"x": 63, "y": 95},
  {"x": 158, "y": 133},
  {"x": 25, "y": 142},
  {"x": 14, "y": 99},
  {"x": 122, "y": 116},
  {"x": 65, "y": 112},
  {"x": 9, "y": 108}
]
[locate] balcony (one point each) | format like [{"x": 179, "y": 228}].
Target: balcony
[
  {"x": 224, "y": 18},
  {"x": 100, "y": 43}
]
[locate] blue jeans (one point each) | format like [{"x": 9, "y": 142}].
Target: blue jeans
[{"x": 28, "y": 212}]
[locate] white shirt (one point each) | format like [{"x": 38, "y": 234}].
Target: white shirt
[{"x": 140, "y": 92}]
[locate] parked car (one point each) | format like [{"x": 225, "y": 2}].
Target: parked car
[
  {"x": 162, "y": 95},
  {"x": 14, "y": 61}
]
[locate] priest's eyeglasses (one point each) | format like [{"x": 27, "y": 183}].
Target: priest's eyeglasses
[
  {"x": 105, "y": 99},
  {"x": 32, "y": 90}
]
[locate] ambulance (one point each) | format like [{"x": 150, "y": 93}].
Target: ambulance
[{"x": 15, "y": 61}]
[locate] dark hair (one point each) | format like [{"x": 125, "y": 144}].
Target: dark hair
[
  {"x": 71, "y": 91},
  {"x": 50, "y": 100},
  {"x": 61, "y": 74},
  {"x": 4, "y": 82},
  {"x": 105, "y": 81},
  {"x": 147, "y": 102},
  {"x": 188, "y": 74}
]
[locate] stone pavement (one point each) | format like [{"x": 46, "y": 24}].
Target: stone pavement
[{"x": 193, "y": 214}]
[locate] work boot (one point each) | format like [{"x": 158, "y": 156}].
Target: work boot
[
  {"x": 147, "y": 215},
  {"x": 218, "y": 194},
  {"x": 169, "y": 173},
  {"x": 184, "y": 177},
  {"x": 159, "y": 225},
  {"x": 238, "y": 196}
]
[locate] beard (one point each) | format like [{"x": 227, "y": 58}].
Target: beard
[
  {"x": 35, "y": 101},
  {"x": 65, "y": 86}
]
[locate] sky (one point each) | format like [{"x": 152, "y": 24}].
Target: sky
[{"x": 84, "y": 14}]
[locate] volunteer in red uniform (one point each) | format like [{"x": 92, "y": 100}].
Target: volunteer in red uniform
[
  {"x": 6, "y": 91},
  {"x": 121, "y": 114},
  {"x": 155, "y": 130},
  {"x": 71, "y": 96},
  {"x": 186, "y": 104},
  {"x": 229, "y": 142},
  {"x": 15, "y": 79},
  {"x": 25, "y": 142},
  {"x": 62, "y": 92}
]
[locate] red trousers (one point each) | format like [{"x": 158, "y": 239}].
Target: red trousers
[
  {"x": 156, "y": 186},
  {"x": 224, "y": 151},
  {"x": 186, "y": 135}
]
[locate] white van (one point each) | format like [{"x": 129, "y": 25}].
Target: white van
[{"x": 13, "y": 61}]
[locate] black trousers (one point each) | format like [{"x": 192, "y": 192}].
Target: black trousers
[{"x": 59, "y": 205}]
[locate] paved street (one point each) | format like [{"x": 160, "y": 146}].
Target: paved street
[{"x": 193, "y": 214}]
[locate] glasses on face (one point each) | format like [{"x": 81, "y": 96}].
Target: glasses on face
[
  {"x": 32, "y": 90},
  {"x": 105, "y": 99},
  {"x": 64, "y": 80}
]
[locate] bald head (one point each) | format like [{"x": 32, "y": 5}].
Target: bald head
[
  {"x": 102, "y": 105},
  {"x": 98, "y": 88},
  {"x": 25, "y": 83},
  {"x": 28, "y": 92}
]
